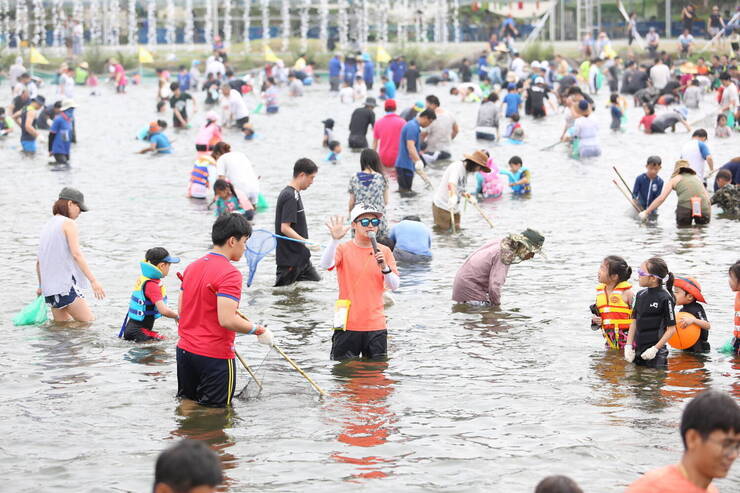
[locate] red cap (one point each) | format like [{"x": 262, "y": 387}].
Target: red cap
[
  {"x": 390, "y": 105},
  {"x": 691, "y": 286}
]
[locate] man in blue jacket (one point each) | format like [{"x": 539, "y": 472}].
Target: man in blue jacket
[
  {"x": 335, "y": 70},
  {"x": 60, "y": 133}
]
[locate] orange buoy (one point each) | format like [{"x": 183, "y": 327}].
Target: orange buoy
[{"x": 684, "y": 337}]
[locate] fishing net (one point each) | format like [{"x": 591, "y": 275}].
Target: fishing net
[
  {"x": 32, "y": 314},
  {"x": 259, "y": 244}
]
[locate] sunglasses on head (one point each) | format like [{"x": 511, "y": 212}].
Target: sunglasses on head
[{"x": 367, "y": 222}]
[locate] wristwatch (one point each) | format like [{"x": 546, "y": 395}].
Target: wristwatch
[{"x": 386, "y": 271}]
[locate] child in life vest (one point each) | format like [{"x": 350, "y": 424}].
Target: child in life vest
[
  {"x": 519, "y": 176},
  {"x": 198, "y": 187},
  {"x": 735, "y": 286},
  {"x": 687, "y": 292},
  {"x": 653, "y": 320},
  {"x": 228, "y": 200},
  {"x": 612, "y": 310},
  {"x": 489, "y": 185},
  {"x": 149, "y": 299}
]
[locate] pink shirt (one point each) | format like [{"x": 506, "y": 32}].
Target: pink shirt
[
  {"x": 482, "y": 276},
  {"x": 667, "y": 480},
  {"x": 208, "y": 135},
  {"x": 120, "y": 72},
  {"x": 387, "y": 130}
]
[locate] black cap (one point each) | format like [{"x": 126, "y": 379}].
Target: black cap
[
  {"x": 157, "y": 255},
  {"x": 69, "y": 193}
]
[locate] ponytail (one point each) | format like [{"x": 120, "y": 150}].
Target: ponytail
[
  {"x": 669, "y": 285},
  {"x": 617, "y": 266}
]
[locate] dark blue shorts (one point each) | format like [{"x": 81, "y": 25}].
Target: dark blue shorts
[
  {"x": 64, "y": 300},
  {"x": 208, "y": 381}
]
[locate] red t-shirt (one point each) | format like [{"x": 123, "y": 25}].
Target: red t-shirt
[
  {"x": 647, "y": 122},
  {"x": 388, "y": 131},
  {"x": 667, "y": 480},
  {"x": 199, "y": 330},
  {"x": 153, "y": 291}
]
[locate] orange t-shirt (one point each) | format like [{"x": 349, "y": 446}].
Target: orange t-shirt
[
  {"x": 361, "y": 282},
  {"x": 667, "y": 480}
]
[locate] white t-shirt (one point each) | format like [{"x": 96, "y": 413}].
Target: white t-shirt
[
  {"x": 729, "y": 97},
  {"x": 239, "y": 170},
  {"x": 454, "y": 174},
  {"x": 360, "y": 90},
  {"x": 517, "y": 66},
  {"x": 66, "y": 86},
  {"x": 587, "y": 130},
  {"x": 347, "y": 95},
  {"x": 237, "y": 105},
  {"x": 660, "y": 74}
]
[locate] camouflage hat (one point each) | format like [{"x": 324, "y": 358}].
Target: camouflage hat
[{"x": 530, "y": 239}]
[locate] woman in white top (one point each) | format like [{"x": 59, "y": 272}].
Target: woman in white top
[
  {"x": 61, "y": 266},
  {"x": 235, "y": 167},
  {"x": 445, "y": 205}
]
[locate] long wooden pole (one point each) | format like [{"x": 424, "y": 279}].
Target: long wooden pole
[
  {"x": 623, "y": 181},
  {"x": 477, "y": 207},
  {"x": 631, "y": 201}
]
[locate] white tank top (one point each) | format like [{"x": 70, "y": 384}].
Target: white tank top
[{"x": 56, "y": 263}]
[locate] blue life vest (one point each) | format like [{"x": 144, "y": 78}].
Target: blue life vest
[
  {"x": 515, "y": 177},
  {"x": 140, "y": 306}
]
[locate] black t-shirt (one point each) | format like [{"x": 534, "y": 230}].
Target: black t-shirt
[
  {"x": 211, "y": 88},
  {"x": 695, "y": 309},
  {"x": 653, "y": 312},
  {"x": 412, "y": 75},
  {"x": 664, "y": 122},
  {"x": 289, "y": 209},
  {"x": 361, "y": 119},
  {"x": 180, "y": 103},
  {"x": 19, "y": 103},
  {"x": 465, "y": 74}
]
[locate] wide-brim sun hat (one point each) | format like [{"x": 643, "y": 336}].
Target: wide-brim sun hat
[
  {"x": 529, "y": 238},
  {"x": 691, "y": 286},
  {"x": 371, "y": 102},
  {"x": 501, "y": 47},
  {"x": 682, "y": 164},
  {"x": 480, "y": 158},
  {"x": 67, "y": 104}
]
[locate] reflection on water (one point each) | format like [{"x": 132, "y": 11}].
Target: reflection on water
[{"x": 364, "y": 391}]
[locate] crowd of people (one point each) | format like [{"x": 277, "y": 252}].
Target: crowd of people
[{"x": 365, "y": 248}]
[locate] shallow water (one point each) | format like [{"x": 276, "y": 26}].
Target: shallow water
[{"x": 470, "y": 399}]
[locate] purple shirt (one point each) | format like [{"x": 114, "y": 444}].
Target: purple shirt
[{"x": 482, "y": 275}]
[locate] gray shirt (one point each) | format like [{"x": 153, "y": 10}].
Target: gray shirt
[{"x": 439, "y": 133}]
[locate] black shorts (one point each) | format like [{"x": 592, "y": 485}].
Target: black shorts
[
  {"x": 684, "y": 217},
  {"x": 288, "y": 274},
  {"x": 61, "y": 158},
  {"x": 357, "y": 142},
  {"x": 241, "y": 121},
  {"x": 208, "y": 381},
  {"x": 347, "y": 344},
  {"x": 138, "y": 332}
]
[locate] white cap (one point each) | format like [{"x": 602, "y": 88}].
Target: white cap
[
  {"x": 539, "y": 80},
  {"x": 361, "y": 209},
  {"x": 535, "y": 64}
]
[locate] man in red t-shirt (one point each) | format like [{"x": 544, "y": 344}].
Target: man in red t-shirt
[
  {"x": 387, "y": 134},
  {"x": 211, "y": 290},
  {"x": 364, "y": 270},
  {"x": 710, "y": 429}
]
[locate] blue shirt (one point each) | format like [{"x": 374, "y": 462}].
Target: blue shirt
[
  {"x": 390, "y": 89},
  {"x": 412, "y": 237},
  {"x": 368, "y": 71},
  {"x": 335, "y": 67},
  {"x": 184, "y": 81},
  {"x": 410, "y": 131},
  {"x": 616, "y": 112},
  {"x": 162, "y": 142},
  {"x": 512, "y": 101},
  {"x": 62, "y": 127},
  {"x": 646, "y": 190}
]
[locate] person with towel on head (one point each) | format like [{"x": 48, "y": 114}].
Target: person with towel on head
[
  {"x": 365, "y": 269},
  {"x": 480, "y": 279}
]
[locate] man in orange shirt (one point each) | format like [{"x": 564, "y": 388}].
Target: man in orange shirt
[
  {"x": 710, "y": 429},
  {"x": 364, "y": 270}
]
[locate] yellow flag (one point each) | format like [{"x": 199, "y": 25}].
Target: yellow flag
[
  {"x": 382, "y": 56},
  {"x": 270, "y": 56},
  {"x": 37, "y": 57},
  {"x": 145, "y": 56}
]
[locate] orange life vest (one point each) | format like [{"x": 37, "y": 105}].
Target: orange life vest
[{"x": 615, "y": 313}]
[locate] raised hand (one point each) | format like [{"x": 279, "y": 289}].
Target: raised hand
[{"x": 337, "y": 227}]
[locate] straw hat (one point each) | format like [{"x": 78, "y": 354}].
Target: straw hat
[
  {"x": 689, "y": 68},
  {"x": 84, "y": 65},
  {"x": 67, "y": 104},
  {"x": 501, "y": 47},
  {"x": 682, "y": 164},
  {"x": 480, "y": 158}
]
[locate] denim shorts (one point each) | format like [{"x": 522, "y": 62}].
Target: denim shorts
[{"x": 64, "y": 300}]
